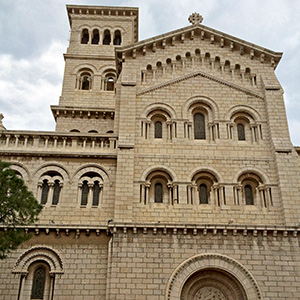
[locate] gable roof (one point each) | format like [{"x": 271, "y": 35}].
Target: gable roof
[{"x": 205, "y": 33}]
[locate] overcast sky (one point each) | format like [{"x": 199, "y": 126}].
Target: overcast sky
[{"x": 34, "y": 35}]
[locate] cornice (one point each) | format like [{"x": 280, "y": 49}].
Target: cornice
[
  {"x": 88, "y": 57},
  {"x": 202, "y": 74},
  {"x": 212, "y": 36},
  {"x": 71, "y": 111},
  {"x": 32, "y": 153},
  {"x": 111, "y": 228}
]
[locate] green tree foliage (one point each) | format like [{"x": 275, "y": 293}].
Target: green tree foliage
[{"x": 18, "y": 207}]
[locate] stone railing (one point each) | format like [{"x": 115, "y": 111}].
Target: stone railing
[{"x": 60, "y": 143}]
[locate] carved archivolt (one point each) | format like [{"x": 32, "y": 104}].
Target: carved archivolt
[
  {"x": 39, "y": 253},
  {"x": 212, "y": 276}
]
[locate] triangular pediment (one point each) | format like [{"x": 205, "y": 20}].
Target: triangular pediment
[
  {"x": 202, "y": 74},
  {"x": 203, "y": 33}
]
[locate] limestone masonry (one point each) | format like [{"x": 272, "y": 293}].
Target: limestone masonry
[{"x": 170, "y": 176}]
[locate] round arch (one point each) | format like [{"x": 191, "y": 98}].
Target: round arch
[
  {"x": 39, "y": 253},
  {"x": 52, "y": 167},
  {"x": 151, "y": 169},
  {"x": 22, "y": 170},
  {"x": 201, "y": 100},
  {"x": 196, "y": 170},
  {"x": 262, "y": 175},
  {"x": 159, "y": 106},
  {"x": 85, "y": 66},
  {"x": 221, "y": 264},
  {"x": 90, "y": 168},
  {"x": 242, "y": 109}
]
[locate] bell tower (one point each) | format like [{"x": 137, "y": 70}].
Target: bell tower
[{"x": 87, "y": 102}]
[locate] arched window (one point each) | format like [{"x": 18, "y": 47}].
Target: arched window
[
  {"x": 158, "y": 193},
  {"x": 107, "y": 38},
  {"x": 159, "y": 188},
  {"x": 38, "y": 283},
  {"x": 109, "y": 80},
  {"x": 249, "y": 195},
  {"x": 85, "y": 36},
  {"x": 96, "y": 193},
  {"x": 110, "y": 85},
  {"x": 203, "y": 195},
  {"x": 199, "y": 126},
  {"x": 117, "y": 38},
  {"x": 90, "y": 189},
  {"x": 74, "y": 130},
  {"x": 96, "y": 37},
  {"x": 241, "y": 132},
  {"x": 92, "y": 131},
  {"x": 56, "y": 192},
  {"x": 85, "y": 193},
  {"x": 158, "y": 130},
  {"x": 85, "y": 82},
  {"x": 49, "y": 188},
  {"x": 201, "y": 189},
  {"x": 45, "y": 191}
]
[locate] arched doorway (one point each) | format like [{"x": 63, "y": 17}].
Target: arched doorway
[
  {"x": 212, "y": 276},
  {"x": 210, "y": 284}
]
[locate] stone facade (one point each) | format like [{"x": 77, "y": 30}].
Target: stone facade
[{"x": 170, "y": 175}]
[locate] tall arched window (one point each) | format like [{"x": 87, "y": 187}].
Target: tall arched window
[
  {"x": 84, "y": 193},
  {"x": 241, "y": 132},
  {"x": 85, "y": 82},
  {"x": 110, "y": 85},
  {"x": 38, "y": 283},
  {"x": 90, "y": 189},
  {"x": 96, "y": 37},
  {"x": 158, "y": 130},
  {"x": 49, "y": 188},
  {"x": 249, "y": 195},
  {"x": 159, "y": 188},
  {"x": 96, "y": 193},
  {"x": 107, "y": 37},
  {"x": 85, "y": 36},
  {"x": 56, "y": 191},
  {"x": 203, "y": 195},
  {"x": 117, "y": 38},
  {"x": 45, "y": 191},
  {"x": 199, "y": 126},
  {"x": 158, "y": 193}
]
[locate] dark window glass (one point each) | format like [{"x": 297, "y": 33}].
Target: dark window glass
[
  {"x": 158, "y": 193},
  {"x": 203, "y": 194},
  {"x": 38, "y": 283},
  {"x": 85, "y": 83},
  {"x": 107, "y": 38},
  {"x": 85, "y": 193},
  {"x": 117, "y": 39},
  {"x": 158, "y": 130},
  {"x": 96, "y": 193},
  {"x": 249, "y": 195},
  {"x": 85, "y": 36},
  {"x": 110, "y": 84},
  {"x": 45, "y": 191},
  {"x": 241, "y": 132},
  {"x": 95, "y": 39},
  {"x": 199, "y": 126},
  {"x": 56, "y": 191}
]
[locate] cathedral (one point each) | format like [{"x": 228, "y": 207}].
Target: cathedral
[{"x": 170, "y": 175}]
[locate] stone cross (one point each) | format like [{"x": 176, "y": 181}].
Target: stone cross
[{"x": 195, "y": 18}]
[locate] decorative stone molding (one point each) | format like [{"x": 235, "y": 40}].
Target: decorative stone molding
[
  {"x": 201, "y": 74},
  {"x": 39, "y": 253},
  {"x": 212, "y": 261}
]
